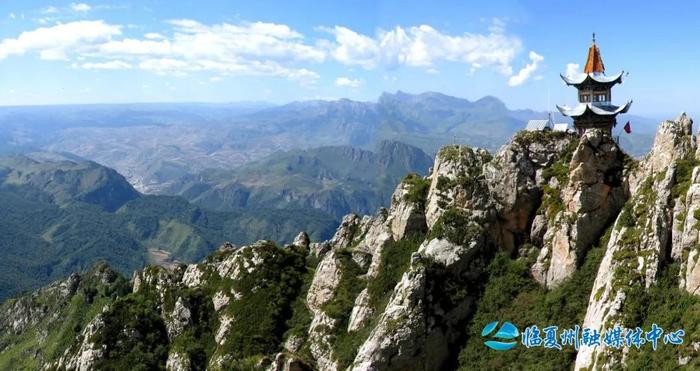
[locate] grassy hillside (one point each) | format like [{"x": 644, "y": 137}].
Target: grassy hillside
[
  {"x": 336, "y": 180},
  {"x": 61, "y": 217}
]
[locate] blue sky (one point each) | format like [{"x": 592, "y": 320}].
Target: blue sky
[{"x": 219, "y": 51}]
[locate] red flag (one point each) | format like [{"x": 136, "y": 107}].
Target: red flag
[{"x": 628, "y": 128}]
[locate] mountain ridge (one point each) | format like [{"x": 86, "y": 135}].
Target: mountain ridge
[
  {"x": 553, "y": 229},
  {"x": 60, "y": 217}
]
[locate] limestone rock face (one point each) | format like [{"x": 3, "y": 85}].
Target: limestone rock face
[
  {"x": 178, "y": 362},
  {"x": 405, "y": 216},
  {"x": 178, "y": 319},
  {"x": 593, "y": 196},
  {"x": 447, "y": 253},
  {"x": 641, "y": 238},
  {"x": 361, "y": 311},
  {"x": 346, "y": 232},
  {"x": 322, "y": 290},
  {"x": 397, "y": 339},
  {"x": 417, "y": 327},
  {"x": 376, "y": 234},
  {"x": 454, "y": 182},
  {"x": 88, "y": 353},
  {"x": 302, "y": 240},
  {"x": 686, "y": 236},
  {"x": 674, "y": 140},
  {"x": 324, "y": 282},
  {"x": 242, "y": 261},
  {"x": 192, "y": 276},
  {"x": 514, "y": 178}
]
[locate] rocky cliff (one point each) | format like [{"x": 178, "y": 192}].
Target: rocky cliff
[{"x": 552, "y": 229}]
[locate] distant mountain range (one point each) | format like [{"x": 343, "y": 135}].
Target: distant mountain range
[
  {"x": 156, "y": 146},
  {"x": 248, "y": 171},
  {"x": 335, "y": 179}
]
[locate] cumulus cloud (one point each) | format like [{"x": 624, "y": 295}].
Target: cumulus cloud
[
  {"x": 352, "y": 48},
  {"x": 80, "y": 7},
  {"x": 423, "y": 46},
  {"x": 524, "y": 74},
  {"x": 347, "y": 82},
  {"x": 573, "y": 70},
  {"x": 247, "y": 49},
  {"x": 269, "y": 49},
  {"x": 57, "y": 41}
]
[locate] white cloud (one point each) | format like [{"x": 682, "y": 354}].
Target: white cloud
[
  {"x": 136, "y": 47},
  {"x": 573, "y": 70},
  {"x": 269, "y": 49},
  {"x": 353, "y": 48},
  {"x": 347, "y": 82},
  {"x": 56, "y": 54},
  {"x": 57, "y": 41},
  {"x": 12, "y": 16},
  {"x": 80, "y": 7},
  {"x": 154, "y": 36},
  {"x": 244, "y": 49},
  {"x": 110, "y": 65},
  {"x": 422, "y": 46},
  {"x": 50, "y": 10},
  {"x": 527, "y": 71}
]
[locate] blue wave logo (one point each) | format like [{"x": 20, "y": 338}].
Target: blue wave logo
[{"x": 507, "y": 331}]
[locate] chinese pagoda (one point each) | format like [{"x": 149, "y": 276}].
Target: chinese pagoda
[{"x": 594, "y": 110}]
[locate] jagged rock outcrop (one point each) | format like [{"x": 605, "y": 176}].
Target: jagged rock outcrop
[
  {"x": 407, "y": 287},
  {"x": 396, "y": 342},
  {"x": 322, "y": 290},
  {"x": 593, "y": 195},
  {"x": 515, "y": 180},
  {"x": 362, "y": 311},
  {"x": 178, "y": 362},
  {"x": 673, "y": 141},
  {"x": 348, "y": 229},
  {"x": 407, "y": 214},
  {"x": 686, "y": 235},
  {"x": 302, "y": 240},
  {"x": 376, "y": 233},
  {"x": 84, "y": 358},
  {"x": 418, "y": 324},
  {"x": 455, "y": 183},
  {"x": 640, "y": 240}
]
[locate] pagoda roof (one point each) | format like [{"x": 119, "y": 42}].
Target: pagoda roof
[
  {"x": 538, "y": 125},
  {"x": 594, "y": 62},
  {"x": 596, "y": 77},
  {"x": 597, "y": 109}
]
